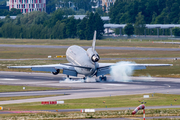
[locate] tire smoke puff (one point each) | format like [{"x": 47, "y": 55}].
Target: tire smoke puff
[{"x": 121, "y": 71}]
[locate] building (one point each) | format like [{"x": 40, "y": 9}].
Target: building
[
  {"x": 106, "y": 4},
  {"x": 27, "y": 6}
]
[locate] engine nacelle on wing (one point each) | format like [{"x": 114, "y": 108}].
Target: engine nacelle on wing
[
  {"x": 93, "y": 55},
  {"x": 57, "y": 72}
]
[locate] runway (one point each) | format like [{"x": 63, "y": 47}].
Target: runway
[
  {"x": 168, "y": 42},
  {"x": 97, "y": 47},
  {"x": 138, "y": 85}
]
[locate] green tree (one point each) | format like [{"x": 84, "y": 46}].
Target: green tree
[
  {"x": 40, "y": 17},
  {"x": 176, "y": 31},
  {"x": 154, "y": 18},
  {"x": 81, "y": 29},
  {"x": 162, "y": 18},
  {"x": 80, "y": 12},
  {"x": 4, "y": 12},
  {"x": 82, "y": 4},
  {"x": 14, "y": 12},
  {"x": 68, "y": 11},
  {"x": 174, "y": 13},
  {"x": 8, "y": 30},
  {"x": 90, "y": 27},
  {"x": 98, "y": 25},
  {"x": 17, "y": 21},
  {"x": 58, "y": 30},
  {"x": 100, "y": 11},
  {"x": 139, "y": 25},
  {"x": 71, "y": 28},
  {"x": 50, "y": 6},
  {"x": 129, "y": 29},
  {"x": 125, "y": 11},
  {"x": 57, "y": 15},
  {"x": 8, "y": 19}
]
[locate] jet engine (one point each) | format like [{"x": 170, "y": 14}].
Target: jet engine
[
  {"x": 93, "y": 55},
  {"x": 57, "y": 72}
]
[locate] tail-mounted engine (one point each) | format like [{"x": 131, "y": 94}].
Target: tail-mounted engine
[
  {"x": 57, "y": 72},
  {"x": 93, "y": 55}
]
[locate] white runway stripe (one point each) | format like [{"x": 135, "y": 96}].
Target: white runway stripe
[
  {"x": 115, "y": 84},
  {"x": 8, "y": 79}
]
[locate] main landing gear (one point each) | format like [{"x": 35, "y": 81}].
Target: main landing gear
[{"x": 102, "y": 78}]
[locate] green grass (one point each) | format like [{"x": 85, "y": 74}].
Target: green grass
[
  {"x": 113, "y": 101},
  {"x": 105, "y": 42},
  {"x": 110, "y": 102},
  {"x": 13, "y": 88},
  {"x": 29, "y": 53},
  {"x": 17, "y": 53},
  {"x": 96, "y": 115}
]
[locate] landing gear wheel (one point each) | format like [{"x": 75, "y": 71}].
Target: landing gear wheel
[
  {"x": 84, "y": 78},
  {"x": 103, "y": 78},
  {"x": 69, "y": 77}
]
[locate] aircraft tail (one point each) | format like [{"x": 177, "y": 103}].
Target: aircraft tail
[{"x": 94, "y": 41}]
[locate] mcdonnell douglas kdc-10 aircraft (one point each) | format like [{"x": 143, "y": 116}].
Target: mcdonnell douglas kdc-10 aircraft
[{"x": 83, "y": 62}]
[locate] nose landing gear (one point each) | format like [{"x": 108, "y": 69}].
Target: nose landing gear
[{"x": 68, "y": 77}]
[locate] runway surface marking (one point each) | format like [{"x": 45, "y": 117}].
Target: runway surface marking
[
  {"x": 116, "y": 84},
  {"x": 8, "y": 79},
  {"x": 43, "y": 78}
]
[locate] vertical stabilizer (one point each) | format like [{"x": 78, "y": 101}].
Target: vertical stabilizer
[{"x": 94, "y": 41}]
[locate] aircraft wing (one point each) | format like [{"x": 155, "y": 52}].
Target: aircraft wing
[
  {"x": 67, "y": 68},
  {"x": 47, "y": 68},
  {"x": 104, "y": 68}
]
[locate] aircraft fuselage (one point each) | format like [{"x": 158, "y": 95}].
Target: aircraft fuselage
[{"x": 79, "y": 57}]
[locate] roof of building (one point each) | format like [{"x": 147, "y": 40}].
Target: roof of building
[
  {"x": 105, "y": 18},
  {"x": 3, "y": 17},
  {"x": 149, "y": 26}
]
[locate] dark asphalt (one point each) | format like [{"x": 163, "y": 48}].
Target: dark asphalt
[
  {"x": 97, "y": 47},
  {"x": 166, "y": 85}
]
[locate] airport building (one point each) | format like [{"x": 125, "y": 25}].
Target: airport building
[{"x": 27, "y": 6}]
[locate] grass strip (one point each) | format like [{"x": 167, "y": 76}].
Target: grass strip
[
  {"x": 13, "y": 88},
  {"x": 27, "y": 97},
  {"x": 105, "y": 42},
  {"x": 96, "y": 115},
  {"x": 103, "y": 102},
  {"x": 29, "y": 53}
]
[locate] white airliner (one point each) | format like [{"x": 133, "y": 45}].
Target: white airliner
[{"x": 83, "y": 62}]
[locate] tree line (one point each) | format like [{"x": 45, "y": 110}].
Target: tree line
[
  {"x": 129, "y": 29},
  {"x": 40, "y": 25},
  {"x": 12, "y": 12},
  {"x": 153, "y": 11}
]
